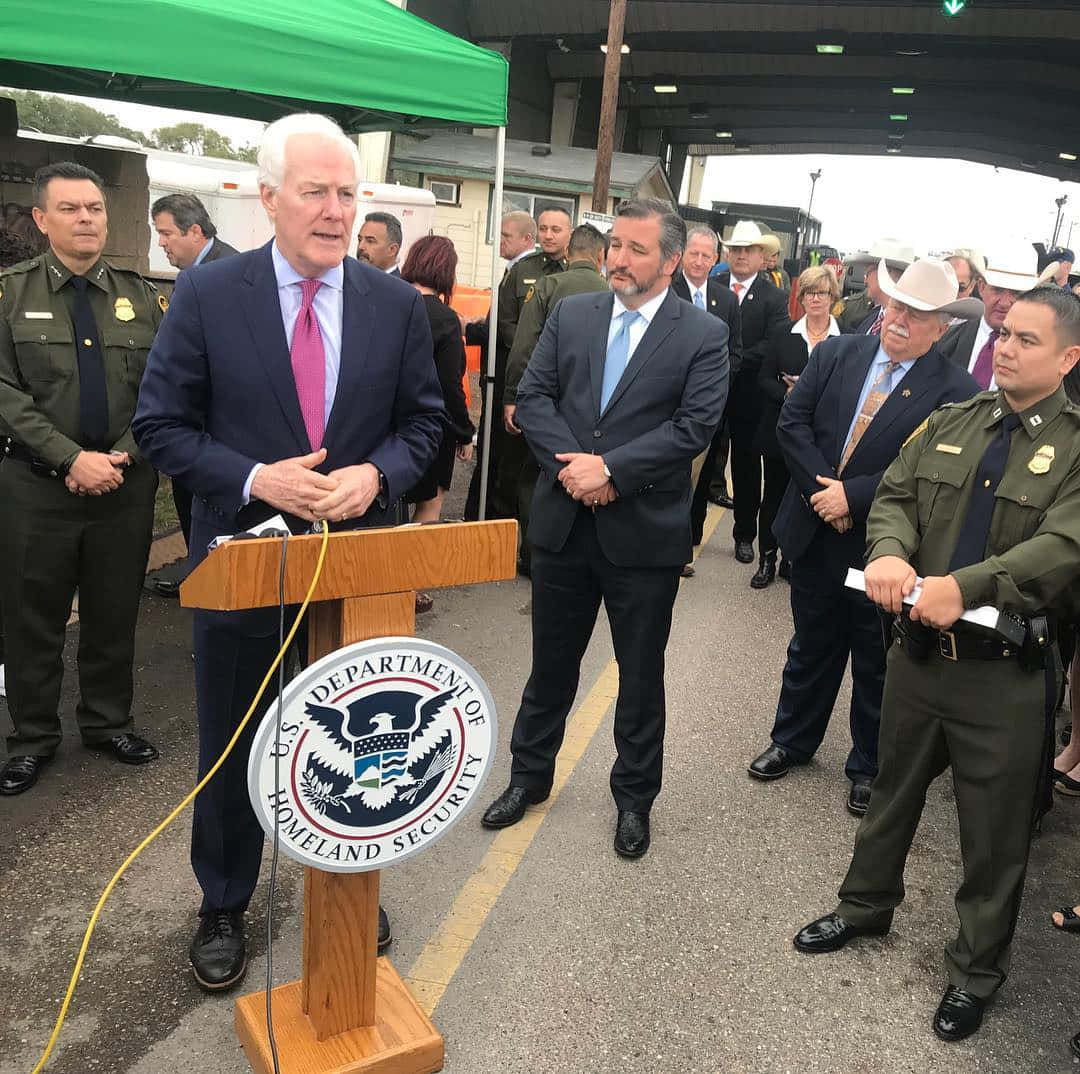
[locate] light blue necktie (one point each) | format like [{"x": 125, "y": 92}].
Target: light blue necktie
[
  {"x": 699, "y": 300},
  {"x": 618, "y": 355}
]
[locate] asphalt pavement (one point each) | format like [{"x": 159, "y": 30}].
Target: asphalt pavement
[{"x": 544, "y": 952}]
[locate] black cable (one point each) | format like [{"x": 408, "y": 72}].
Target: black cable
[{"x": 277, "y": 839}]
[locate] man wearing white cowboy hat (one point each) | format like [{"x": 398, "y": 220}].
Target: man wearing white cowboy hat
[
  {"x": 1008, "y": 273},
  {"x": 862, "y": 314},
  {"x": 844, "y": 422},
  {"x": 762, "y": 314}
]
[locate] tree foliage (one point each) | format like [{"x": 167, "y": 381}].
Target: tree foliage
[{"x": 56, "y": 115}]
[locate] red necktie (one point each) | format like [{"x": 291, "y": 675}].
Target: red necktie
[
  {"x": 983, "y": 371},
  {"x": 309, "y": 365},
  {"x": 875, "y": 328},
  {"x": 738, "y": 288}
]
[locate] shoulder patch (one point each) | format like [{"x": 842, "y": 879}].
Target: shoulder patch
[
  {"x": 163, "y": 303},
  {"x": 920, "y": 429}
]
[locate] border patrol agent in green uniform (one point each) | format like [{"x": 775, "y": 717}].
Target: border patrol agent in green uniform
[
  {"x": 516, "y": 461},
  {"x": 587, "y": 252},
  {"x": 983, "y": 502},
  {"x": 77, "y": 503}
]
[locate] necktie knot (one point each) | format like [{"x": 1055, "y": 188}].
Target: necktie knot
[
  {"x": 738, "y": 288},
  {"x": 699, "y": 300},
  {"x": 307, "y": 292},
  {"x": 80, "y": 283}
]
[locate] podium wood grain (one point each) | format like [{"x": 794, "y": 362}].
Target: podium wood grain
[{"x": 244, "y": 574}]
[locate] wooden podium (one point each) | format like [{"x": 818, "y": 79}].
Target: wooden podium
[{"x": 350, "y": 1012}]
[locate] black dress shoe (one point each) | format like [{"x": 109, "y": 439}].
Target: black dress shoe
[
  {"x": 631, "y": 834},
  {"x": 772, "y": 764},
  {"x": 385, "y": 935},
  {"x": 959, "y": 1014},
  {"x": 858, "y": 799},
  {"x": 219, "y": 951},
  {"x": 766, "y": 572},
  {"x": 722, "y": 500},
  {"x": 744, "y": 551},
  {"x": 21, "y": 773},
  {"x": 129, "y": 748},
  {"x": 785, "y": 569},
  {"x": 830, "y": 933},
  {"x": 509, "y": 807}
]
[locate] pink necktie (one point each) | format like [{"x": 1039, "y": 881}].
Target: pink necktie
[
  {"x": 983, "y": 371},
  {"x": 738, "y": 288},
  {"x": 309, "y": 365}
]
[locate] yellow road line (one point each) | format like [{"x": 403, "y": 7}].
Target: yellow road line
[{"x": 436, "y": 965}]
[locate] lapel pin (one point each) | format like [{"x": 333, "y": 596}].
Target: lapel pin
[{"x": 906, "y": 393}]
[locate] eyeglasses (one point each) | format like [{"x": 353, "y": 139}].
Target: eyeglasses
[{"x": 817, "y": 294}]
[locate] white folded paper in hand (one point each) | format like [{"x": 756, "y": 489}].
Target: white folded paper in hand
[
  {"x": 985, "y": 616},
  {"x": 275, "y": 523}
]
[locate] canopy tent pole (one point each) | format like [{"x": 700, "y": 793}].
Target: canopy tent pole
[{"x": 493, "y": 322}]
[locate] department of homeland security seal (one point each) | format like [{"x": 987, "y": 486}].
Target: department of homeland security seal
[{"x": 383, "y": 746}]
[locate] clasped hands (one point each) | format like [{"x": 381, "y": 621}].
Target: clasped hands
[
  {"x": 584, "y": 479},
  {"x": 295, "y": 487},
  {"x": 890, "y": 579},
  {"x": 831, "y": 504},
  {"x": 93, "y": 473}
]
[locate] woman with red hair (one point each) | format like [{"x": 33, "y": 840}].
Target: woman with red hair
[{"x": 431, "y": 267}]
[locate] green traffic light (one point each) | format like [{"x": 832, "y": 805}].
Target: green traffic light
[{"x": 954, "y": 7}]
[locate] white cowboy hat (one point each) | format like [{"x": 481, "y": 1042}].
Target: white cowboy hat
[
  {"x": 931, "y": 286},
  {"x": 746, "y": 233},
  {"x": 1014, "y": 268},
  {"x": 893, "y": 252},
  {"x": 770, "y": 243}
]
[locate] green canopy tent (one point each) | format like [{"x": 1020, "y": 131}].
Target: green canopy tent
[{"x": 366, "y": 63}]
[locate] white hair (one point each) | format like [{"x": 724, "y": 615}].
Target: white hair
[
  {"x": 271, "y": 158},
  {"x": 705, "y": 233}
]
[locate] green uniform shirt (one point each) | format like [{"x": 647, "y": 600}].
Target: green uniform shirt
[
  {"x": 516, "y": 287},
  {"x": 1034, "y": 542},
  {"x": 853, "y": 311},
  {"x": 580, "y": 278},
  {"x": 39, "y": 366}
]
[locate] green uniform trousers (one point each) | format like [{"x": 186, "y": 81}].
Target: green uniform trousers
[
  {"x": 985, "y": 719},
  {"x": 51, "y": 543}
]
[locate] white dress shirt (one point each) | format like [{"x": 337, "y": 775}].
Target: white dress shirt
[
  {"x": 745, "y": 286},
  {"x": 329, "y": 308},
  {"x": 799, "y": 329},
  {"x": 983, "y": 334},
  {"x": 645, "y": 315}
]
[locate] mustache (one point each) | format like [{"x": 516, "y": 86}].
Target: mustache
[{"x": 902, "y": 332}]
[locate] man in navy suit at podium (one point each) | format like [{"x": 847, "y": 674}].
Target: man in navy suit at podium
[{"x": 295, "y": 380}]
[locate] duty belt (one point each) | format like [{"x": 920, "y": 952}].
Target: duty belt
[
  {"x": 964, "y": 642},
  {"x": 14, "y": 450}
]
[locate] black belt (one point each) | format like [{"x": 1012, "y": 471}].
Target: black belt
[
  {"x": 960, "y": 643},
  {"x": 14, "y": 450}
]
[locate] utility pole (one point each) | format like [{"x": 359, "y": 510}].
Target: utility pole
[{"x": 605, "y": 136}]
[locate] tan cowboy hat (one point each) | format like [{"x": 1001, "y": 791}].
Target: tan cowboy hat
[
  {"x": 931, "y": 286},
  {"x": 893, "y": 252},
  {"x": 1013, "y": 268},
  {"x": 746, "y": 233},
  {"x": 770, "y": 243}
]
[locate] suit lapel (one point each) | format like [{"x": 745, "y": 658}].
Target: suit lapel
[
  {"x": 598, "y": 338},
  {"x": 661, "y": 326},
  {"x": 262, "y": 310},
  {"x": 853, "y": 376},
  {"x": 904, "y": 396},
  {"x": 357, "y": 326}
]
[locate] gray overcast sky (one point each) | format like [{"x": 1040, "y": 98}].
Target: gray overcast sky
[{"x": 933, "y": 204}]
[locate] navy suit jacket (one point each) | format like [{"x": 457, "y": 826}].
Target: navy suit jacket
[
  {"x": 721, "y": 302},
  {"x": 219, "y": 396},
  {"x": 662, "y": 414},
  {"x": 813, "y": 428}
]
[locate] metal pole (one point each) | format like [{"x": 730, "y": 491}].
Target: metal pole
[
  {"x": 814, "y": 177},
  {"x": 609, "y": 101},
  {"x": 1060, "y": 203},
  {"x": 493, "y": 321}
]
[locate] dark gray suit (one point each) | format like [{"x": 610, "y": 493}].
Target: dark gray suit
[
  {"x": 957, "y": 342},
  {"x": 628, "y": 554},
  {"x": 219, "y": 250}
]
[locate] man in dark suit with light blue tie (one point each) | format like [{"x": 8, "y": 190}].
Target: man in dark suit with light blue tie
[
  {"x": 857, "y": 401},
  {"x": 622, "y": 392},
  {"x": 292, "y": 380}
]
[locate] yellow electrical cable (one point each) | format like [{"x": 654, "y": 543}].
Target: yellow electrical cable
[{"x": 179, "y": 809}]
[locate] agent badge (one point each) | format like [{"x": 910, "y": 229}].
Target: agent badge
[
  {"x": 124, "y": 310},
  {"x": 1042, "y": 460}
]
